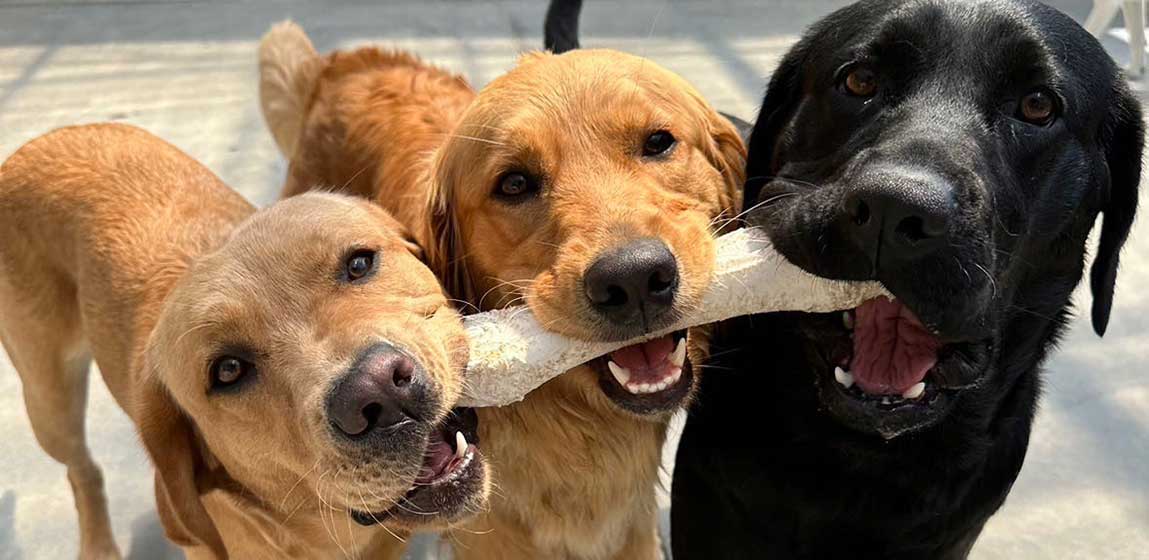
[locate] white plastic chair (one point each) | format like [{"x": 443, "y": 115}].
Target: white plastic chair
[{"x": 1134, "y": 10}]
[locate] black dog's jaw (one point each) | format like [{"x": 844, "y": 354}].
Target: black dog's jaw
[{"x": 959, "y": 152}]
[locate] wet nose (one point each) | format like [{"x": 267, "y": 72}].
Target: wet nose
[
  {"x": 899, "y": 218},
  {"x": 636, "y": 281},
  {"x": 381, "y": 389}
]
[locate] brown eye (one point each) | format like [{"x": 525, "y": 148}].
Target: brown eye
[
  {"x": 657, "y": 143},
  {"x": 861, "y": 82},
  {"x": 516, "y": 185},
  {"x": 359, "y": 265},
  {"x": 1037, "y": 108},
  {"x": 228, "y": 370}
]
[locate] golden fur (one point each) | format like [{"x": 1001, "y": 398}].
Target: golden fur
[
  {"x": 576, "y": 473},
  {"x": 120, "y": 248},
  {"x": 364, "y": 122}
]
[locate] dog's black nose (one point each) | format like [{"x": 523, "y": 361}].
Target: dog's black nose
[
  {"x": 381, "y": 389},
  {"x": 634, "y": 282},
  {"x": 899, "y": 217}
]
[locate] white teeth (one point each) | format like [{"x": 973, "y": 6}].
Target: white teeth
[
  {"x": 848, "y": 320},
  {"x": 678, "y": 357},
  {"x": 460, "y": 444},
  {"x": 843, "y": 377},
  {"x": 621, "y": 374},
  {"x": 915, "y": 391},
  {"x": 646, "y": 388}
]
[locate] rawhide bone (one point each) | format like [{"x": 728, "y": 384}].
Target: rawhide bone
[{"x": 511, "y": 353}]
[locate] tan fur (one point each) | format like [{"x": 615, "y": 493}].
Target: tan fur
[
  {"x": 364, "y": 122},
  {"x": 576, "y": 474},
  {"x": 288, "y": 66},
  {"x": 120, "y": 248}
]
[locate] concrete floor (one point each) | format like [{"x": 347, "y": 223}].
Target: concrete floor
[{"x": 186, "y": 71}]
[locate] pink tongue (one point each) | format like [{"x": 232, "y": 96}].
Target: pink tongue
[
  {"x": 646, "y": 361},
  {"x": 892, "y": 349},
  {"x": 435, "y": 460}
]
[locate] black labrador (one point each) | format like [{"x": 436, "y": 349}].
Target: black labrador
[{"x": 959, "y": 152}]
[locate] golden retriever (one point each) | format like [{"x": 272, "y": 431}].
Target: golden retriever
[
  {"x": 291, "y": 371},
  {"x": 588, "y": 185},
  {"x": 364, "y": 123}
]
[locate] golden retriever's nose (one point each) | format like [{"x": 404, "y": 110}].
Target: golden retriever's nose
[
  {"x": 383, "y": 388},
  {"x": 633, "y": 284}
]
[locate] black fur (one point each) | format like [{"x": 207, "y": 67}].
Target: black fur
[
  {"x": 560, "y": 30},
  {"x": 769, "y": 465}
]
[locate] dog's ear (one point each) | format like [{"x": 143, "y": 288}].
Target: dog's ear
[
  {"x": 168, "y": 436},
  {"x": 443, "y": 243},
  {"x": 782, "y": 98},
  {"x": 728, "y": 156},
  {"x": 412, "y": 245},
  {"x": 1122, "y": 139}
]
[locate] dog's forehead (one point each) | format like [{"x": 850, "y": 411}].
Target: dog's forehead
[
  {"x": 298, "y": 240},
  {"x": 957, "y": 36},
  {"x": 580, "y": 86},
  {"x": 311, "y": 223},
  {"x": 975, "y": 46}
]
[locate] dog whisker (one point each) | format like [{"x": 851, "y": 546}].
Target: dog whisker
[
  {"x": 283, "y": 503},
  {"x": 324, "y": 505},
  {"x": 992, "y": 281},
  {"x": 376, "y": 519},
  {"x": 477, "y": 139}
]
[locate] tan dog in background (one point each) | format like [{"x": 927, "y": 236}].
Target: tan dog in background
[
  {"x": 365, "y": 122},
  {"x": 587, "y": 185},
  {"x": 291, "y": 371}
]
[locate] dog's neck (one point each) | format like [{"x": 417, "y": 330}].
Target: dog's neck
[
  {"x": 309, "y": 529},
  {"x": 576, "y": 475}
]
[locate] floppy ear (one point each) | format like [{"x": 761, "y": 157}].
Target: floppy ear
[
  {"x": 728, "y": 156},
  {"x": 782, "y": 97},
  {"x": 412, "y": 245},
  {"x": 443, "y": 243},
  {"x": 1122, "y": 139},
  {"x": 169, "y": 439}
]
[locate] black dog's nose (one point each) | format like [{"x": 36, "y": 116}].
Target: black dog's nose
[
  {"x": 635, "y": 281},
  {"x": 897, "y": 219},
  {"x": 378, "y": 391}
]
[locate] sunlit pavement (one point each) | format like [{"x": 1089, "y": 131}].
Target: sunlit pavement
[{"x": 185, "y": 70}]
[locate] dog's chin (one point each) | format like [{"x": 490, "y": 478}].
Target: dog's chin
[
  {"x": 451, "y": 483},
  {"x": 888, "y": 412},
  {"x": 651, "y": 379}
]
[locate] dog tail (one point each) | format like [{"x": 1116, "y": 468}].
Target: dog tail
[
  {"x": 289, "y": 68},
  {"x": 560, "y": 30}
]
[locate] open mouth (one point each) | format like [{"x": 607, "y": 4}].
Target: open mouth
[
  {"x": 647, "y": 378},
  {"x": 449, "y": 479},
  {"x": 887, "y": 373}
]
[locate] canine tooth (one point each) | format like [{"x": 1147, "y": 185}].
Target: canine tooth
[
  {"x": 847, "y": 320},
  {"x": 460, "y": 444},
  {"x": 885, "y": 400},
  {"x": 679, "y": 356},
  {"x": 621, "y": 374},
  {"x": 843, "y": 377},
  {"x": 915, "y": 391}
]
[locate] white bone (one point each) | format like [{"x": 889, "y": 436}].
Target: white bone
[{"x": 511, "y": 354}]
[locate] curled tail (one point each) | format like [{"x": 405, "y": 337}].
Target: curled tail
[{"x": 288, "y": 70}]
